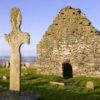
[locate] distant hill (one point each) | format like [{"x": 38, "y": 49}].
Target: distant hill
[{"x": 29, "y": 59}]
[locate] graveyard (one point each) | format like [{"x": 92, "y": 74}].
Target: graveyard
[{"x": 74, "y": 88}]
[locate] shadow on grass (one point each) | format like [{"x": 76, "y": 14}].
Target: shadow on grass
[
  {"x": 4, "y": 85},
  {"x": 49, "y": 92},
  {"x": 42, "y": 87}
]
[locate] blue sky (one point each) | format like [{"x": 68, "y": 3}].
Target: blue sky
[{"x": 37, "y": 15}]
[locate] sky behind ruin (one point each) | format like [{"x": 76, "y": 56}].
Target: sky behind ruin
[{"x": 37, "y": 15}]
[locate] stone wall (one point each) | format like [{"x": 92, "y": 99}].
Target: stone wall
[{"x": 72, "y": 38}]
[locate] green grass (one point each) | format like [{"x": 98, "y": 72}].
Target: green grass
[{"x": 40, "y": 84}]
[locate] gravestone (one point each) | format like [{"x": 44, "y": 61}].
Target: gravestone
[
  {"x": 90, "y": 85},
  {"x": 15, "y": 39}
]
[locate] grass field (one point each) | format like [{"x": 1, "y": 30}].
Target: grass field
[{"x": 40, "y": 84}]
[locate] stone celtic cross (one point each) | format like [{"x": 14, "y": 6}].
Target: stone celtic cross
[{"x": 15, "y": 39}]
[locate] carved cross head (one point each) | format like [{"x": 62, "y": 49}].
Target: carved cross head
[{"x": 16, "y": 37}]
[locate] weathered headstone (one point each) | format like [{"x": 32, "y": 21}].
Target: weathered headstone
[
  {"x": 4, "y": 77},
  {"x": 15, "y": 39},
  {"x": 90, "y": 85}
]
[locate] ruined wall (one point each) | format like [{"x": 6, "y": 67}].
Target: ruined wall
[{"x": 70, "y": 37}]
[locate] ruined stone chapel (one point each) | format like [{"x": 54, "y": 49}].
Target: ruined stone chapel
[{"x": 70, "y": 47}]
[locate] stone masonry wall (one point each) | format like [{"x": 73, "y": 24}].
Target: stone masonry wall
[{"x": 70, "y": 37}]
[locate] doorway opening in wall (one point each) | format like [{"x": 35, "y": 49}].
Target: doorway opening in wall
[{"x": 67, "y": 70}]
